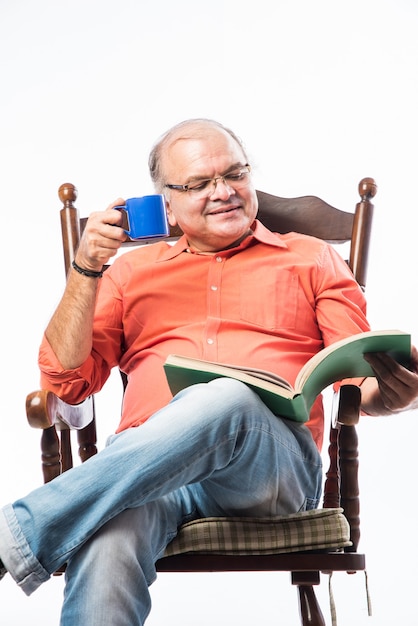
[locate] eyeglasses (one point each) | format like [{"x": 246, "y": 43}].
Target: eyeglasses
[{"x": 205, "y": 187}]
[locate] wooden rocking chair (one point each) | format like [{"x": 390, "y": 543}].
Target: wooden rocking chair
[{"x": 304, "y": 544}]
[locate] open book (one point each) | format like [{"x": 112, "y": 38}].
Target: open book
[{"x": 343, "y": 359}]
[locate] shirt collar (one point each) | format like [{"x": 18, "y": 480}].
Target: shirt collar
[{"x": 259, "y": 233}]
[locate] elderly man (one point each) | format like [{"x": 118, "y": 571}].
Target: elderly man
[{"x": 228, "y": 290}]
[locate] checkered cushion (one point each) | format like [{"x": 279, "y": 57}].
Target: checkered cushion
[{"x": 309, "y": 530}]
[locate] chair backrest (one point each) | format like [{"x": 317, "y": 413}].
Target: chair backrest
[{"x": 308, "y": 214}]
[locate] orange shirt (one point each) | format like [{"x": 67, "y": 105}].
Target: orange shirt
[{"x": 272, "y": 303}]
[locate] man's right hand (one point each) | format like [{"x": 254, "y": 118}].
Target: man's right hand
[{"x": 102, "y": 238}]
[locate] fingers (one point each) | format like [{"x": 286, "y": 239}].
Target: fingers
[
  {"x": 102, "y": 237},
  {"x": 386, "y": 367},
  {"x": 382, "y": 364},
  {"x": 398, "y": 385}
]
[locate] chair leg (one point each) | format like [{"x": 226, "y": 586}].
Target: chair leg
[{"x": 310, "y": 612}]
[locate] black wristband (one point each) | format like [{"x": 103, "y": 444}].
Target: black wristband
[{"x": 89, "y": 273}]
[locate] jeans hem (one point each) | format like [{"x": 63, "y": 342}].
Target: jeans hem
[{"x": 17, "y": 555}]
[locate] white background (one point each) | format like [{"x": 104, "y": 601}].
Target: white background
[{"x": 323, "y": 93}]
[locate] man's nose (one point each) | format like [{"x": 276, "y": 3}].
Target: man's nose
[{"x": 221, "y": 188}]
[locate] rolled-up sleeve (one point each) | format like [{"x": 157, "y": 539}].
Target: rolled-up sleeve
[{"x": 73, "y": 385}]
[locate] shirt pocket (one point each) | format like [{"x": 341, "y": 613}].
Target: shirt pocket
[{"x": 269, "y": 298}]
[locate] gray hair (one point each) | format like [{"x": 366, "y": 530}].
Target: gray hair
[{"x": 196, "y": 128}]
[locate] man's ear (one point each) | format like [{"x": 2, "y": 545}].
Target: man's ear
[{"x": 170, "y": 215}]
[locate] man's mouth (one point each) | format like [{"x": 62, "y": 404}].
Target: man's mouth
[{"x": 223, "y": 210}]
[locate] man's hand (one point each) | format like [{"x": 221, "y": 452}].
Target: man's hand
[
  {"x": 102, "y": 238},
  {"x": 394, "y": 389}
]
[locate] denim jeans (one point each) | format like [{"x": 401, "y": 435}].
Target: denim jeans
[{"x": 214, "y": 450}]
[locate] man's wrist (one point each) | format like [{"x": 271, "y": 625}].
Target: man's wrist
[{"x": 84, "y": 272}]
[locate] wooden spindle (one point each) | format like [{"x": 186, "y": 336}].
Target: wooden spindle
[
  {"x": 70, "y": 223},
  {"x": 350, "y": 500},
  {"x": 50, "y": 454},
  {"x": 66, "y": 453},
  {"x": 87, "y": 440},
  {"x": 332, "y": 481},
  {"x": 362, "y": 227}
]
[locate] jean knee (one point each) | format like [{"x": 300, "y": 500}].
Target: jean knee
[
  {"x": 232, "y": 388},
  {"x": 241, "y": 407},
  {"x": 236, "y": 396}
]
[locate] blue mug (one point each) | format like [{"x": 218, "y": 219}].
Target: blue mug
[{"x": 145, "y": 217}]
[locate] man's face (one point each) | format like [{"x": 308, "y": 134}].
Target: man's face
[{"x": 223, "y": 216}]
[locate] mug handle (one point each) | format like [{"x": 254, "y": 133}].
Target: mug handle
[{"x": 125, "y": 218}]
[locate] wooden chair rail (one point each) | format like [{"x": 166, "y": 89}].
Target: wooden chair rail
[{"x": 293, "y": 562}]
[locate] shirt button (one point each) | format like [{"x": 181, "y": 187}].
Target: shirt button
[
  {"x": 214, "y": 288},
  {"x": 209, "y": 341},
  {"x": 219, "y": 259}
]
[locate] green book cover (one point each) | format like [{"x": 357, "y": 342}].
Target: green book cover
[{"x": 343, "y": 359}]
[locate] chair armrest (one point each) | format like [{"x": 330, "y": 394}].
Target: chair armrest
[{"x": 44, "y": 409}]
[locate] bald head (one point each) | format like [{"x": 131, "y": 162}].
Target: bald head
[{"x": 189, "y": 129}]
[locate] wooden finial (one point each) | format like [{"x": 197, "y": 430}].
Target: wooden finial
[
  {"x": 67, "y": 193},
  {"x": 367, "y": 188}
]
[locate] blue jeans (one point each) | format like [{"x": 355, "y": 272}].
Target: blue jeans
[{"x": 214, "y": 450}]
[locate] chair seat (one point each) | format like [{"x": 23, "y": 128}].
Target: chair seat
[{"x": 309, "y": 530}]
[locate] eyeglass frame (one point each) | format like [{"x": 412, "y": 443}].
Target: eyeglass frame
[{"x": 186, "y": 188}]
